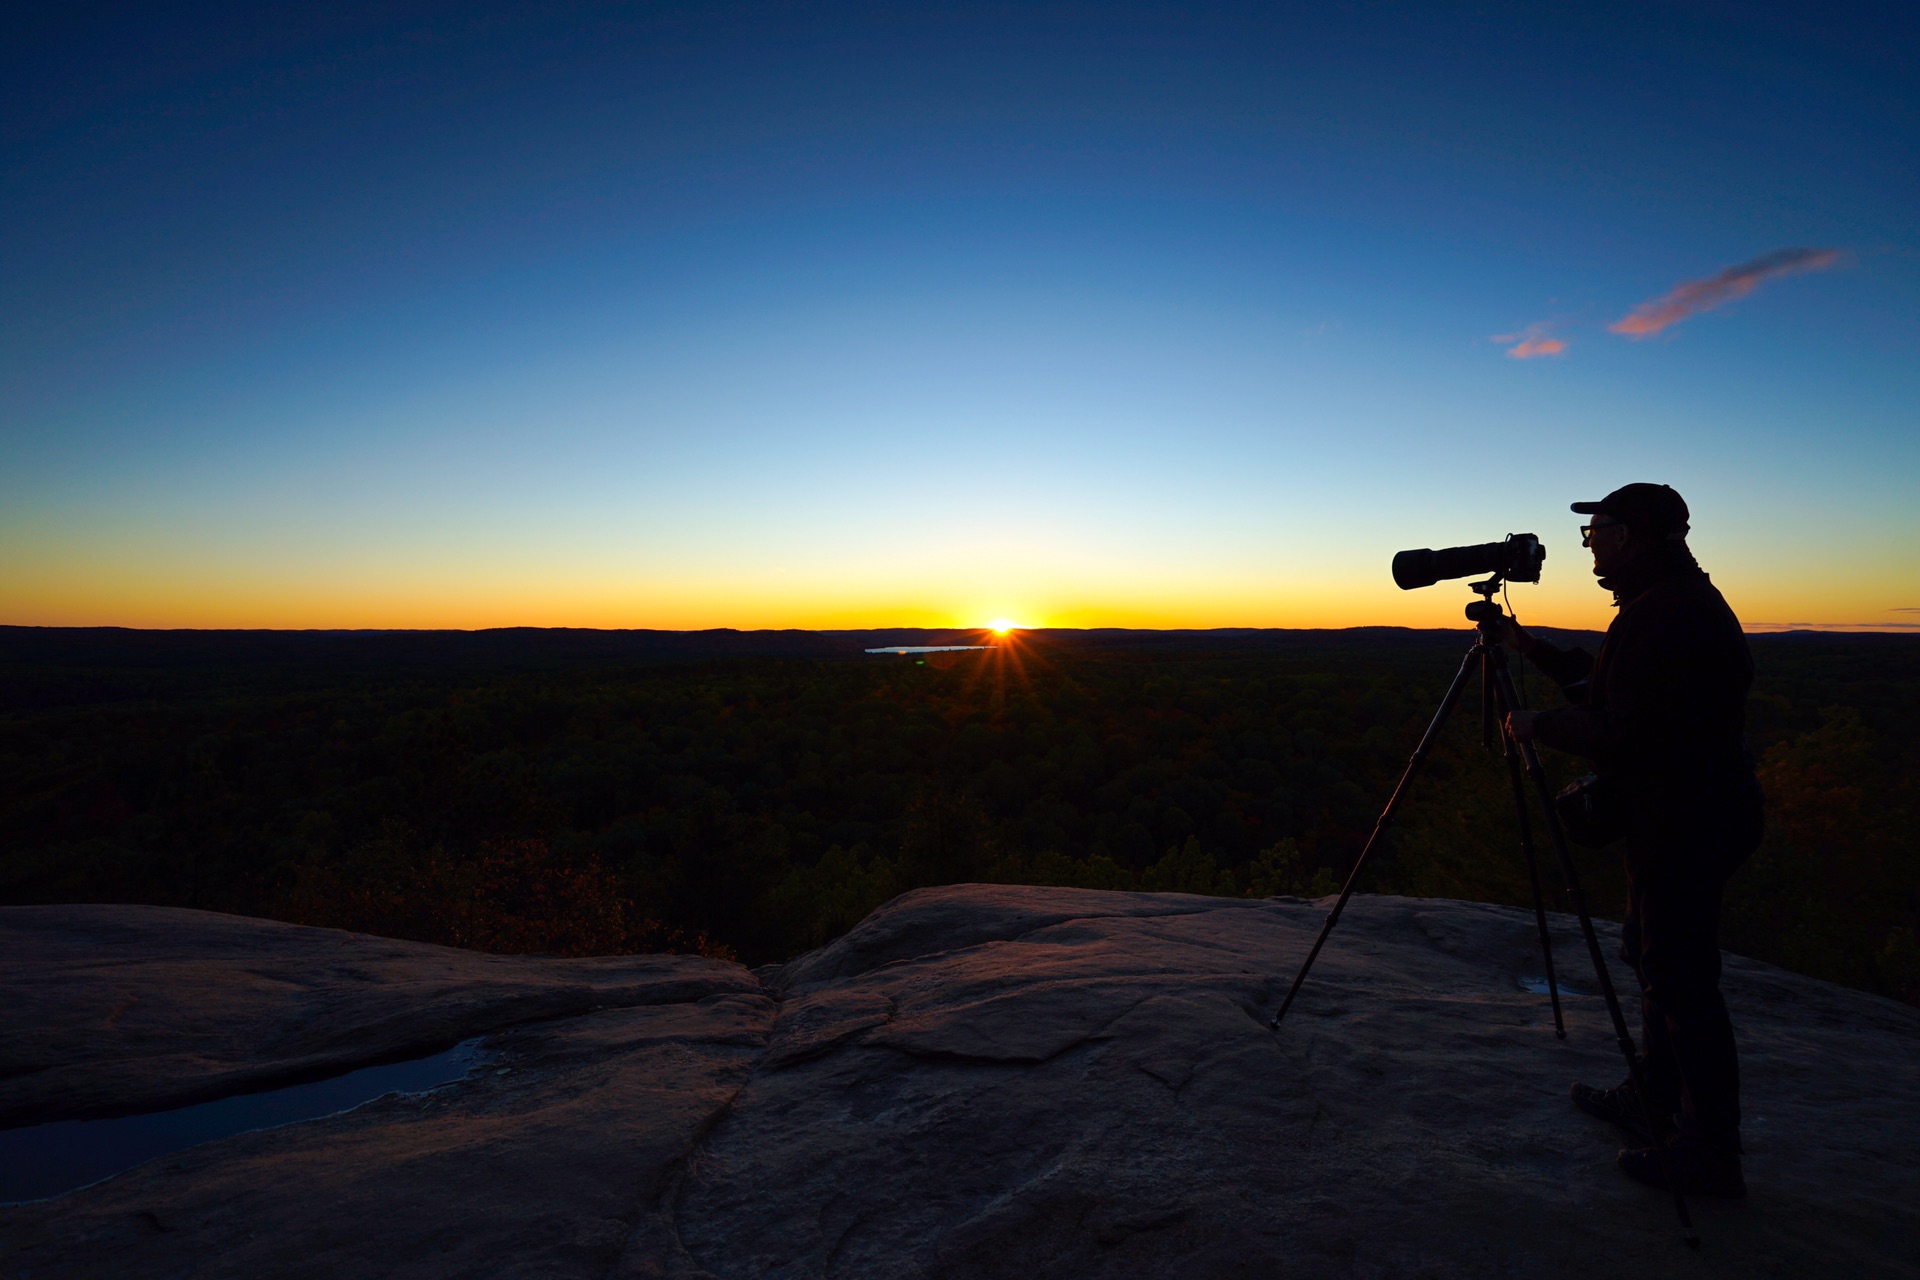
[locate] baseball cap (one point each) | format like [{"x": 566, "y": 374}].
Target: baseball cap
[{"x": 1650, "y": 508}]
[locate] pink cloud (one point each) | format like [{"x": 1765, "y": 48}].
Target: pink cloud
[
  {"x": 1695, "y": 296},
  {"x": 1531, "y": 347},
  {"x": 1532, "y": 343}
]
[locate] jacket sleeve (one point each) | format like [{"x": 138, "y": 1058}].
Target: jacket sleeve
[
  {"x": 1580, "y": 731},
  {"x": 1653, "y": 679},
  {"x": 1562, "y": 666}
]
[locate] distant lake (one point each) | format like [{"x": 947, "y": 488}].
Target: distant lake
[{"x": 929, "y": 648}]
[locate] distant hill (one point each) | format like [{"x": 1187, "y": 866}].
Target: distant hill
[{"x": 234, "y": 652}]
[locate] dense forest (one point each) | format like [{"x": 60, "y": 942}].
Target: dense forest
[{"x": 593, "y": 792}]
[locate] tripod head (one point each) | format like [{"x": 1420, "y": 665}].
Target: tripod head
[
  {"x": 1486, "y": 616},
  {"x": 1484, "y": 612}
]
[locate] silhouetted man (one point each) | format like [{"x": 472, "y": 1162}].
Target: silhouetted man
[{"x": 1661, "y": 713}]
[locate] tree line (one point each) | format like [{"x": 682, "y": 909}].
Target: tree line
[{"x": 758, "y": 806}]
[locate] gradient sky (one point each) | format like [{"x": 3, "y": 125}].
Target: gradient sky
[{"x": 842, "y": 315}]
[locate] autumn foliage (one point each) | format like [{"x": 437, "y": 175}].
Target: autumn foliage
[
  {"x": 511, "y": 896},
  {"x": 762, "y": 806}
]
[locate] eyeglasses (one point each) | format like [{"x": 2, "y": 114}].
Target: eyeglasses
[{"x": 1588, "y": 530}]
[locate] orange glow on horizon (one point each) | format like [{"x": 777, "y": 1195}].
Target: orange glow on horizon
[{"x": 76, "y": 591}]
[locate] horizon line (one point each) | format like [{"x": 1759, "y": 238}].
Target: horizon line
[{"x": 1754, "y": 628}]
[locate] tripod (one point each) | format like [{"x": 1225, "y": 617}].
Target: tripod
[{"x": 1497, "y": 699}]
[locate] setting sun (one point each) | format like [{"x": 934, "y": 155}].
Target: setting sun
[{"x": 1000, "y": 626}]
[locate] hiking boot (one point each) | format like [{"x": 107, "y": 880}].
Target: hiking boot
[
  {"x": 1621, "y": 1105},
  {"x": 1698, "y": 1170}
]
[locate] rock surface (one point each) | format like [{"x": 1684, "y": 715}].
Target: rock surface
[
  {"x": 112, "y": 1010},
  {"x": 977, "y": 1081}
]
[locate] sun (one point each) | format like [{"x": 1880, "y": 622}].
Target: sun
[{"x": 1001, "y": 626}]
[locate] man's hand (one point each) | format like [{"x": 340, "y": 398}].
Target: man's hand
[
  {"x": 1513, "y": 634},
  {"x": 1520, "y": 724}
]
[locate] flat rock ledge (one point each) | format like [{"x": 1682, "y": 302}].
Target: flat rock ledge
[{"x": 978, "y": 1080}]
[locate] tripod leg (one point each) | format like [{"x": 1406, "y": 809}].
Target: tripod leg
[
  {"x": 1503, "y": 682},
  {"x": 1420, "y": 754},
  {"x": 1533, "y": 874}
]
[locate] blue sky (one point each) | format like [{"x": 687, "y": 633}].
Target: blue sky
[{"x": 844, "y": 315}]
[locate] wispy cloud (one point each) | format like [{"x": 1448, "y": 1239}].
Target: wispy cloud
[
  {"x": 1722, "y": 287},
  {"x": 1532, "y": 342}
]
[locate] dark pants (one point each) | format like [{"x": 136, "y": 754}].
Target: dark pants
[{"x": 1671, "y": 938}]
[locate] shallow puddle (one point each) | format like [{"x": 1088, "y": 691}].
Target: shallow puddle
[
  {"x": 1537, "y": 984},
  {"x": 48, "y": 1159}
]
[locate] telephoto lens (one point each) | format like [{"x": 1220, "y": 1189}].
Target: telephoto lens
[{"x": 1517, "y": 558}]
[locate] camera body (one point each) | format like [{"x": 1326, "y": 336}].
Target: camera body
[{"x": 1516, "y": 558}]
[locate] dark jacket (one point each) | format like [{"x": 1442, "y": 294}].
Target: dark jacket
[{"x": 1663, "y": 706}]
